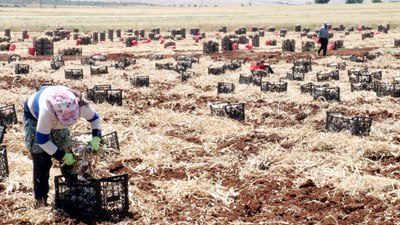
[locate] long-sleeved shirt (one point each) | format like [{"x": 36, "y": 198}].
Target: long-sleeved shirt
[
  {"x": 323, "y": 33},
  {"x": 47, "y": 120}
]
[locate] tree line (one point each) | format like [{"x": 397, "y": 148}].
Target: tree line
[{"x": 347, "y": 1}]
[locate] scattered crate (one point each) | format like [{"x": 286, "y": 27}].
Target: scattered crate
[
  {"x": 339, "y": 44},
  {"x": 233, "y": 111},
  {"x": 88, "y": 61},
  {"x": 307, "y": 46},
  {"x": 193, "y": 59},
  {"x": 327, "y": 93},
  {"x": 21, "y": 68},
  {"x": 295, "y": 75},
  {"x": 250, "y": 79},
  {"x": 303, "y": 65},
  {"x": 56, "y": 62},
  {"x": 210, "y": 47},
  {"x": 233, "y": 65},
  {"x": 377, "y": 75},
  {"x": 105, "y": 198},
  {"x": 271, "y": 29},
  {"x": 73, "y": 74},
  {"x": 4, "y": 46},
  {"x": 359, "y": 59},
  {"x": 357, "y": 125},
  {"x": 164, "y": 66},
  {"x": 43, "y": 46},
  {"x": 337, "y": 65},
  {"x": 225, "y": 88},
  {"x": 362, "y": 86},
  {"x": 280, "y": 86},
  {"x": 255, "y": 40},
  {"x": 3, "y": 163},
  {"x": 98, "y": 94},
  {"x": 367, "y": 34},
  {"x": 396, "y": 43},
  {"x": 122, "y": 63},
  {"x": 396, "y": 79},
  {"x": 102, "y": 36},
  {"x": 216, "y": 69},
  {"x": 360, "y": 78},
  {"x": 70, "y": 51},
  {"x": 289, "y": 45},
  {"x": 387, "y": 89},
  {"x": 98, "y": 70},
  {"x": 357, "y": 71},
  {"x": 185, "y": 64},
  {"x": 110, "y": 140},
  {"x": 185, "y": 75},
  {"x": 114, "y": 96},
  {"x": 328, "y": 75},
  {"x": 14, "y": 58},
  {"x": 309, "y": 87},
  {"x": 226, "y": 43},
  {"x": 140, "y": 81},
  {"x": 155, "y": 56},
  {"x": 110, "y": 35},
  {"x": 260, "y": 73},
  {"x": 2, "y": 132},
  {"x": 8, "y": 115}
]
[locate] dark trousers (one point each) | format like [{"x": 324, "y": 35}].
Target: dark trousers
[
  {"x": 41, "y": 173},
  {"x": 324, "y": 46}
]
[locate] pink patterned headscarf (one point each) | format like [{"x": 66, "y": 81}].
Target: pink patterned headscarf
[{"x": 65, "y": 105}]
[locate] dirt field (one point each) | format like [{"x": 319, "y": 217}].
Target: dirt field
[{"x": 279, "y": 166}]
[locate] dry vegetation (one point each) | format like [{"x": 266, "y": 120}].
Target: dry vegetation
[
  {"x": 187, "y": 167},
  {"x": 208, "y": 19}
]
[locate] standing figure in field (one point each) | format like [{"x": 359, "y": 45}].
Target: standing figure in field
[
  {"x": 47, "y": 115},
  {"x": 323, "y": 36}
]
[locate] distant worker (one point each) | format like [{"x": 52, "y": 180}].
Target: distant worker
[
  {"x": 47, "y": 115},
  {"x": 323, "y": 36}
]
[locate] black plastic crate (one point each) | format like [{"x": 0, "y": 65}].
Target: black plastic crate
[
  {"x": 185, "y": 75},
  {"x": 55, "y": 65},
  {"x": 2, "y": 132},
  {"x": 21, "y": 68},
  {"x": 140, "y": 81},
  {"x": 362, "y": 87},
  {"x": 88, "y": 61},
  {"x": 360, "y": 78},
  {"x": 305, "y": 64},
  {"x": 110, "y": 140},
  {"x": 216, "y": 70},
  {"x": 233, "y": 65},
  {"x": 155, "y": 56},
  {"x": 185, "y": 64},
  {"x": 357, "y": 71},
  {"x": 279, "y": 86},
  {"x": 387, "y": 89},
  {"x": 98, "y": 199},
  {"x": 331, "y": 75},
  {"x": 70, "y": 51},
  {"x": 73, "y": 74},
  {"x": 377, "y": 75},
  {"x": 233, "y": 111},
  {"x": 327, "y": 93},
  {"x": 3, "y": 163},
  {"x": 309, "y": 87},
  {"x": 123, "y": 63},
  {"x": 98, "y": 70},
  {"x": 192, "y": 59},
  {"x": 250, "y": 79},
  {"x": 338, "y": 121},
  {"x": 98, "y": 94},
  {"x": 164, "y": 66},
  {"x": 291, "y": 75},
  {"x": 337, "y": 65},
  {"x": 225, "y": 87},
  {"x": 114, "y": 96},
  {"x": 8, "y": 115},
  {"x": 14, "y": 58}
]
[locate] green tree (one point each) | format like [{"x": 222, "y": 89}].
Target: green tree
[
  {"x": 376, "y": 1},
  {"x": 354, "y": 1},
  {"x": 321, "y": 1}
]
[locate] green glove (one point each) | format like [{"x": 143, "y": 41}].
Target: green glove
[
  {"x": 95, "y": 143},
  {"x": 68, "y": 159}
]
